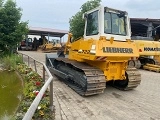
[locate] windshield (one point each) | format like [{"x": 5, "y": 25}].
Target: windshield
[{"x": 114, "y": 24}]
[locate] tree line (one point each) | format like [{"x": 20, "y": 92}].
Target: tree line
[{"x": 12, "y": 29}]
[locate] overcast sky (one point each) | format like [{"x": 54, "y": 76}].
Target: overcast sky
[{"x": 56, "y": 13}]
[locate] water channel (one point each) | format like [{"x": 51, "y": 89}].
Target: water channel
[{"x": 10, "y": 94}]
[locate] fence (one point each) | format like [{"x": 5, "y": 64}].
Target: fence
[{"x": 31, "y": 61}]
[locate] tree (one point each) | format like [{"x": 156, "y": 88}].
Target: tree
[
  {"x": 76, "y": 22},
  {"x": 12, "y": 30}
]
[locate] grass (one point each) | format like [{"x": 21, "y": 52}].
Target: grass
[{"x": 9, "y": 62}]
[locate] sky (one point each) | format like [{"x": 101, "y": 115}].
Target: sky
[{"x": 56, "y": 13}]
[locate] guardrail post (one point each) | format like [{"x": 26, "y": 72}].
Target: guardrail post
[
  {"x": 28, "y": 61},
  {"x": 43, "y": 73},
  {"x": 35, "y": 66},
  {"x": 51, "y": 95}
]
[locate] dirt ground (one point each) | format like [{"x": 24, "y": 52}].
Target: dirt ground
[{"x": 142, "y": 103}]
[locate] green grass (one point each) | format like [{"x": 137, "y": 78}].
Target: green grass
[{"x": 9, "y": 62}]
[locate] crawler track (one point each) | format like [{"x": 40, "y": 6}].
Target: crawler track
[
  {"x": 87, "y": 80},
  {"x": 133, "y": 79},
  {"x": 82, "y": 78}
]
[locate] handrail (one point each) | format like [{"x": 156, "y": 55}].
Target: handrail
[{"x": 30, "y": 112}]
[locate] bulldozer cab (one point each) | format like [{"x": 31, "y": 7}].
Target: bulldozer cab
[{"x": 108, "y": 22}]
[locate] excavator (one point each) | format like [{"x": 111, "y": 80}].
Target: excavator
[
  {"x": 149, "y": 51},
  {"x": 100, "y": 56}
]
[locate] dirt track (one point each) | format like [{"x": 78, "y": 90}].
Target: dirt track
[{"x": 143, "y": 103}]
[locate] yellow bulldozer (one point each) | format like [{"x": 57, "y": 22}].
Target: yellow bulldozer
[
  {"x": 50, "y": 46},
  {"x": 149, "y": 51},
  {"x": 100, "y": 56}
]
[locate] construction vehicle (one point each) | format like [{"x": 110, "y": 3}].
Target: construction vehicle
[
  {"x": 149, "y": 51},
  {"x": 56, "y": 44},
  {"x": 100, "y": 56},
  {"x": 25, "y": 44},
  {"x": 50, "y": 46}
]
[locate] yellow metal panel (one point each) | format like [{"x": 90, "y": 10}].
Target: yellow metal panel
[
  {"x": 113, "y": 70},
  {"x": 148, "y": 48},
  {"x": 116, "y": 45}
]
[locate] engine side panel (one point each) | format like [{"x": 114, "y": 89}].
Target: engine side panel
[
  {"x": 91, "y": 49},
  {"x": 148, "y": 48}
]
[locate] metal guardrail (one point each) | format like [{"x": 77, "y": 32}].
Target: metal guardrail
[{"x": 29, "y": 114}]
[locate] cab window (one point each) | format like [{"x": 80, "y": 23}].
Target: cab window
[
  {"x": 114, "y": 24},
  {"x": 92, "y": 24}
]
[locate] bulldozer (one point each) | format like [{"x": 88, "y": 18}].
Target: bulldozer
[
  {"x": 52, "y": 46},
  {"x": 100, "y": 56},
  {"x": 149, "y": 51}
]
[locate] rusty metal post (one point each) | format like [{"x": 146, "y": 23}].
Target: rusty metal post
[
  {"x": 28, "y": 61},
  {"x": 35, "y": 66},
  {"x": 43, "y": 74},
  {"x": 51, "y": 96}
]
